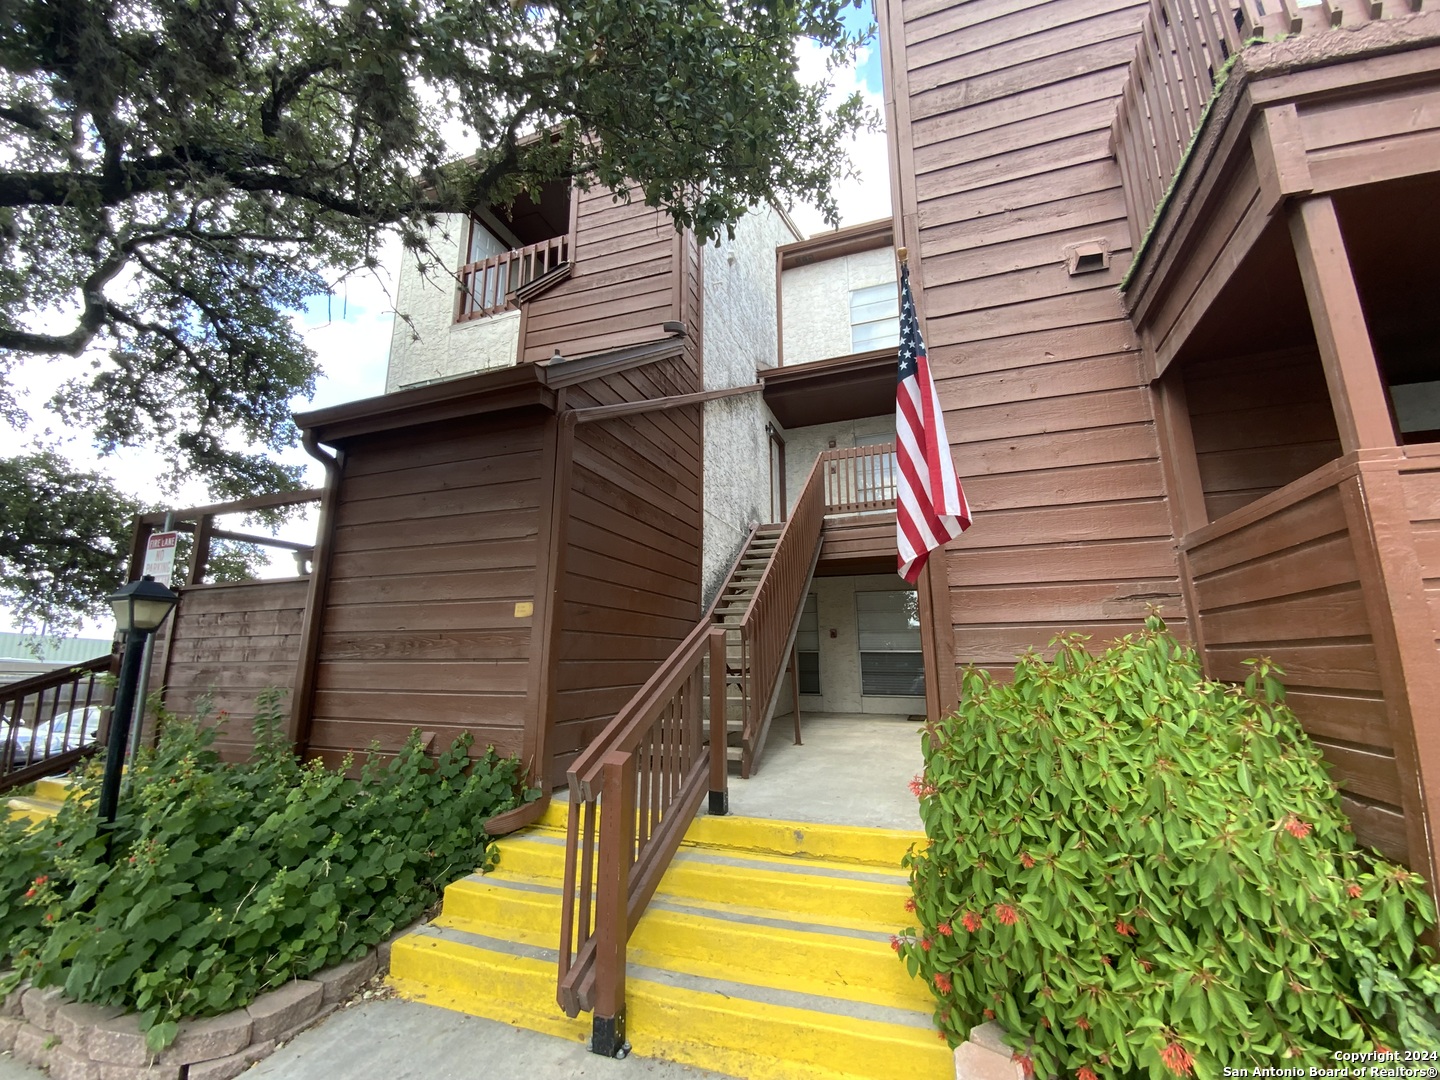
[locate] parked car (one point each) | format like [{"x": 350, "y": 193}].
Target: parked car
[{"x": 65, "y": 731}]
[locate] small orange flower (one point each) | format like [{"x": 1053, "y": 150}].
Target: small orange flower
[
  {"x": 30, "y": 893},
  {"x": 1105, "y": 960},
  {"x": 944, "y": 930},
  {"x": 971, "y": 921},
  {"x": 42, "y": 879},
  {"x": 1146, "y": 965},
  {"x": 1083, "y": 1025},
  {"x": 910, "y": 904},
  {"x": 1025, "y": 860},
  {"x": 1123, "y": 928},
  {"x": 925, "y": 943},
  {"x": 989, "y": 1014},
  {"x": 1297, "y": 828},
  {"x": 894, "y": 943},
  {"x": 1354, "y": 891},
  {"x": 1085, "y": 1073},
  {"x": 1023, "y": 1060},
  {"x": 1006, "y": 914},
  {"x": 1177, "y": 1059},
  {"x": 942, "y": 982}
]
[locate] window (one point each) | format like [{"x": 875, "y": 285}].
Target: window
[
  {"x": 891, "y": 663},
  {"x": 807, "y": 647},
  {"x": 874, "y": 318}
]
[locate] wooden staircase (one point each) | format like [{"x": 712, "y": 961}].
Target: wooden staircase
[{"x": 730, "y": 612}]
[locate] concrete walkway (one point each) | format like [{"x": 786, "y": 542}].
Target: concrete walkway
[{"x": 851, "y": 770}]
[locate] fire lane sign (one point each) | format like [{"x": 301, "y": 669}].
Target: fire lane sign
[{"x": 160, "y": 556}]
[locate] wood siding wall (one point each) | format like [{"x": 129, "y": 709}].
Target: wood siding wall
[
  {"x": 1422, "y": 497},
  {"x": 1002, "y": 118},
  {"x": 1282, "y": 578},
  {"x": 426, "y": 621},
  {"x": 631, "y": 577},
  {"x": 621, "y": 287},
  {"x": 1259, "y": 422},
  {"x": 225, "y": 644}
]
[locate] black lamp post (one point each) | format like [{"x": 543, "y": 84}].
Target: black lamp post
[{"x": 140, "y": 608}]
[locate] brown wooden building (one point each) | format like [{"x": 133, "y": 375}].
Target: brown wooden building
[
  {"x": 1206, "y": 379},
  {"x": 1243, "y": 429}
]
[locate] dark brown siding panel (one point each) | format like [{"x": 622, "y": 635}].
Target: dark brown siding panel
[
  {"x": 228, "y": 643},
  {"x": 427, "y": 621},
  {"x": 631, "y": 589},
  {"x": 622, "y": 283},
  {"x": 1287, "y": 585},
  {"x": 1422, "y": 498},
  {"x": 1259, "y": 422},
  {"x": 1005, "y": 129}
]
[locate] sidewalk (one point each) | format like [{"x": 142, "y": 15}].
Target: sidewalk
[{"x": 400, "y": 1040}]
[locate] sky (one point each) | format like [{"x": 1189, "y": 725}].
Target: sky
[{"x": 350, "y": 330}]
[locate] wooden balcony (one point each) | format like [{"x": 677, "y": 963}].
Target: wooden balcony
[
  {"x": 492, "y": 285},
  {"x": 1185, "y": 46}
]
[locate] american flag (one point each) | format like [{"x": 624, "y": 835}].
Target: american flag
[{"x": 931, "y": 506}]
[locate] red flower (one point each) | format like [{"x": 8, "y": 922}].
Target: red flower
[
  {"x": 1146, "y": 965},
  {"x": 989, "y": 1014},
  {"x": 1023, "y": 1060},
  {"x": 1083, "y": 1025},
  {"x": 925, "y": 943},
  {"x": 1297, "y": 828},
  {"x": 971, "y": 921},
  {"x": 944, "y": 930},
  {"x": 1025, "y": 860},
  {"x": 1085, "y": 1073},
  {"x": 41, "y": 879},
  {"x": 920, "y": 787},
  {"x": 1006, "y": 914},
  {"x": 1105, "y": 960},
  {"x": 1123, "y": 928},
  {"x": 910, "y": 904},
  {"x": 30, "y": 893},
  {"x": 894, "y": 943},
  {"x": 1354, "y": 891},
  {"x": 942, "y": 982},
  {"x": 49, "y": 916},
  {"x": 1177, "y": 1059}
]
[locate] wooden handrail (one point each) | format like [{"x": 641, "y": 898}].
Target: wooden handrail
[
  {"x": 489, "y": 285},
  {"x": 768, "y": 629},
  {"x": 859, "y": 479},
  {"x": 649, "y": 767},
  {"x": 37, "y": 701}
]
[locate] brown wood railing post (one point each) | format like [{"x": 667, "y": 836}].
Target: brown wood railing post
[
  {"x": 617, "y": 850},
  {"x": 719, "y": 758}
]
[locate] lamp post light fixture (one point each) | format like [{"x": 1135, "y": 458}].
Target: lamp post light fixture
[{"x": 140, "y": 608}]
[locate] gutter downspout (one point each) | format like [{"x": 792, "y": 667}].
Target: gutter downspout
[{"x": 298, "y": 729}]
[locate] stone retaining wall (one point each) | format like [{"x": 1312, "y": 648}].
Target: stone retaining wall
[{"x": 95, "y": 1042}]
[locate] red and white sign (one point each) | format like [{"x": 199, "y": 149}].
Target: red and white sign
[{"x": 160, "y": 556}]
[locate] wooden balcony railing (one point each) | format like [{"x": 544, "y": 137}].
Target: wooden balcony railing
[
  {"x": 648, "y": 770},
  {"x": 50, "y": 722},
  {"x": 768, "y": 629},
  {"x": 859, "y": 479},
  {"x": 1184, "y": 45},
  {"x": 489, "y": 286}
]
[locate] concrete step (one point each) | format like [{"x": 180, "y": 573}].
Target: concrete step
[
  {"x": 50, "y": 794},
  {"x": 765, "y": 952}
]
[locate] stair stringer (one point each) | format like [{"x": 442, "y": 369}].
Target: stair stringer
[{"x": 751, "y": 753}]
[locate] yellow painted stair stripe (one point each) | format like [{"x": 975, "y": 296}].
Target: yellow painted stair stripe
[
  {"x": 515, "y": 990},
  {"x": 31, "y": 809},
  {"x": 761, "y": 1041}
]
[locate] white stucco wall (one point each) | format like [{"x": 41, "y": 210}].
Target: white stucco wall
[
  {"x": 815, "y": 319},
  {"x": 738, "y": 337},
  {"x": 432, "y": 345},
  {"x": 803, "y": 446}
]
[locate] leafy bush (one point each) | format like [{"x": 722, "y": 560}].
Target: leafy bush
[
  {"x": 1137, "y": 871},
  {"x": 229, "y": 880}
]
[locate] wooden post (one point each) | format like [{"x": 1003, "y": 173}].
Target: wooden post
[
  {"x": 617, "y": 848},
  {"x": 200, "y": 555},
  {"x": 795, "y": 688},
  {"x": 719, "y": 754},
  {"x": 1182, "y": 477},
  {"x": 1357, "y": 394}
]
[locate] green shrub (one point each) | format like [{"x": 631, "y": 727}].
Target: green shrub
[
  {"x": 1137, "y": 871},
  {"x": 229, "y": 880}
]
